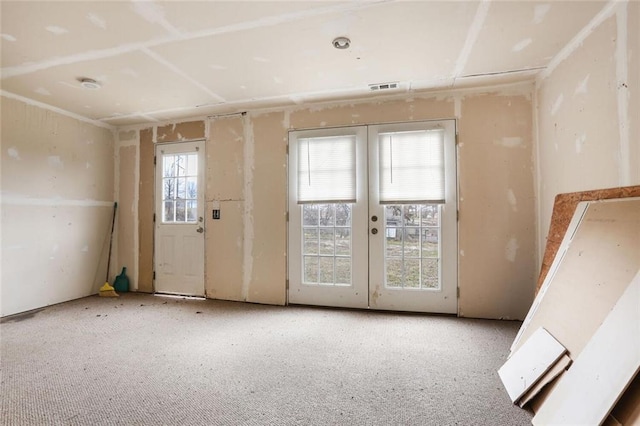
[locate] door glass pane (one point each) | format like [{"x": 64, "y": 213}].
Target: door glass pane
[
  {"x": 181, "y": 165},
  {"x": 310, "y": 244},
  {"x": 192, "y": 188},
  {"x": 326, "y": 242},
  {"x": 326, "y": 270},
  {"x": 310, "y": 269},
  {"x": 343, "y": 241},
  {"x": 343, "y": 270},
  {"x": 411, "y": 242},
  {"x": 411, "y": 277},
  {"x": 192, "y": 165},
  {"x": 168, "y": 189},
  {"x": 430, "y": 242},
  {"x": 192, "y": 210},
  {"x": 343, "y": 214},
  {"x": 429, "y": 214},
  {"x": 181, "y": 188},
  {"x": 326, "y": 214},
  {"x": 168, "y": 169},
  {"x": 411, "y": 215},
  {"x": 393, "y": 215},
  {"x": 310, "y": 215},
  {"x": 394, "y": 272},
  {"x": 412, "y": 246},
  {"x": 430, "y": 277},
  {"x": 168, "y": 211},
  {"x": 393, "y": 242},
  {"x": 181, "y": 212}
]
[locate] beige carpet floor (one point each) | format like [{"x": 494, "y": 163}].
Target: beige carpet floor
[{"x": 148, "y": 360}]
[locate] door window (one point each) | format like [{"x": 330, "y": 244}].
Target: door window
[
  {"x": 412, "y": 246},
  {"x": 327, "y": 244},
  {"x": 179, "y": 188}
]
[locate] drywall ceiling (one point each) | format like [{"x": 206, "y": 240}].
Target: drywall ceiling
[{"x": 159, "y": 61}]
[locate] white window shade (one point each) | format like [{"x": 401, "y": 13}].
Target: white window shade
[
  {"x": 327, "y": 169},
  {"x": 412, "y": 167}
]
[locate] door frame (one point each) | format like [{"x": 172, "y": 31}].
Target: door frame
[
  {"x": 157, "y": 218},
  {"x": 294, "y": 237}
]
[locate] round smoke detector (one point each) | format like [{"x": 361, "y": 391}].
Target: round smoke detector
[
  {"x": 341, "y": 43},
  {"x": 89, "y": 83}
]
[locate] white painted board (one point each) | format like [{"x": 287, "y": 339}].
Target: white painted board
[
  {"x": 588, "y": 391},
  {"x": 576, "y": 219},
  {"x": 525, "y": 367},
  {"x": 558, "y": 368}
]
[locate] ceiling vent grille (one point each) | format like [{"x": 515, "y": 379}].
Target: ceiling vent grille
[{"x": 383, "y": 86}]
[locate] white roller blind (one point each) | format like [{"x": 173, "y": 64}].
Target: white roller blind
[
  {"x": 412, "y": 167},
  {"x": 327, "y": 169}
]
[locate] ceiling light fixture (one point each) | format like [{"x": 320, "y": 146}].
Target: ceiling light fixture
[
  {"x": 341, "y": 43},
  {"x": 89, "y": 83}
]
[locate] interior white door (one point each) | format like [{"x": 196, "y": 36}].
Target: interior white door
[
  {"x": 354, "y": 249},
  {"x": 179, "y": 219}
]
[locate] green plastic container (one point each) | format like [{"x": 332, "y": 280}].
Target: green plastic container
[{"x": 121, "y": 285}]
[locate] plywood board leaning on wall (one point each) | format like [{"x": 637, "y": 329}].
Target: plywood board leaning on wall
[
  {"x": 563, "y": 208},
  {"x": 598, "y": 258}
]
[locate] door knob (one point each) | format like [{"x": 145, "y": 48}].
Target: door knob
[
  {"x": 374, "y": 231},
  {"x": 200, "y": 229},
  {"x": 374, "y": 218}
]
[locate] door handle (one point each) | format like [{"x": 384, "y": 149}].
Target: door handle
[
  {"x": 200, "y": 229},
  {"x": 374, "y": 231}
]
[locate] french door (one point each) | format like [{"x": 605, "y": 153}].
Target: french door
[
  {"x": 179, "y": 223},
  {"x": 372, "y": 217}
]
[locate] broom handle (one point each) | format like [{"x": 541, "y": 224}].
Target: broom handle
[{"x": 113, "y": 222}]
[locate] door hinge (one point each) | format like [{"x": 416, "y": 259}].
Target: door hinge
[
  {"x": 287, "y": 216},
  {"x": 154, "y": 160},
  {"x": 457, "y": 139},
  {"x": 287, "y": 149},
  {"x": 154, "y": 275},
  {"x": 287, "y": 284},
  {"x": 458, "y": 292},
  {"x": 457, "y": 215},
  {"x": 154, "y": 218}
]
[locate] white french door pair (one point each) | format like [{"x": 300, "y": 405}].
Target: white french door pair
[{"x": 373, "y": 217}]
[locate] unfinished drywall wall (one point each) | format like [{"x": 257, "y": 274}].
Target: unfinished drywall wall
[
  {"x": 148, "y": 138},
  {"x": 246, "y": 250},
  {"x": 146, "y": 210},
  {"x": 246, "y": 178},
  {"x": 128, "y": 146},
  {"x": 633, "y": 92},
  {"x": 225, "y": 187},
  {"x": 57, "y": 205},
  {"x": 266, "y": 206},
  {"x": 496, "y": 195},
  {"x": 588, "y": 106},
  {"x": 497, "y": 217}
]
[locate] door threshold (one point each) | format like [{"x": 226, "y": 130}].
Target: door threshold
[{"x": 180, "y": 296}]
